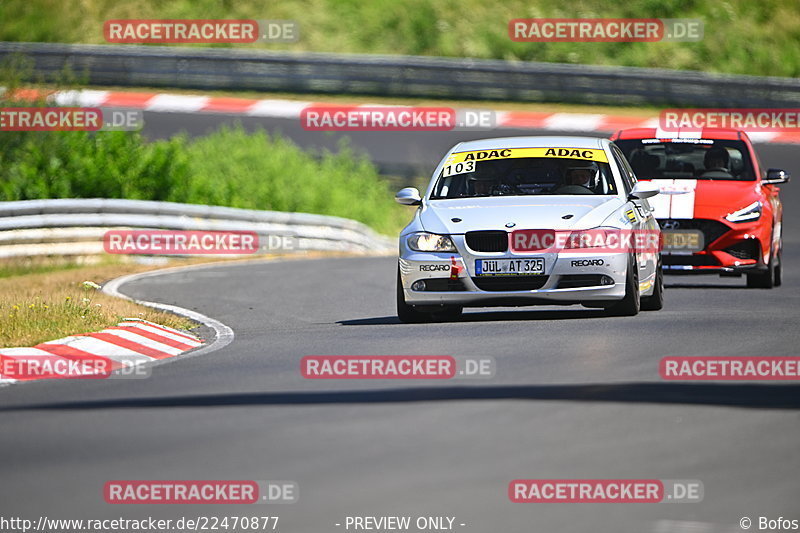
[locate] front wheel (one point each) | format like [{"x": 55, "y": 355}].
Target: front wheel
[
  {"x": 631, "y": 303},
  {"x": 410, "y": 315},
  {"x": 655, "y": 301},
  {"x": 406, "y": 313},
  {"x": 766, "y": 279}
]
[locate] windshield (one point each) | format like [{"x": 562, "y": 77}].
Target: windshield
[
  {"x": 688, "y": 159},
  {"x": 524, "y": 176}
]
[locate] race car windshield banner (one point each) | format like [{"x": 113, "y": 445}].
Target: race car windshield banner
[{"x": 512, "y": 153}]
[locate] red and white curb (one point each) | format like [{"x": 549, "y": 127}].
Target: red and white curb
[
  {"x": 130, "y": 343},
  {"x": 223, "y": 334},
  {"x": 179, "y": 103}
]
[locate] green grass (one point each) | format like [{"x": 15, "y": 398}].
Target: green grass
[
  {"x": 758, "y": 37},
  {"x": 37, "y": 306},
  {"x": 35, "y": 265}
]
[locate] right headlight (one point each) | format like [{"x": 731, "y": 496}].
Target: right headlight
[
  {"x": 746, "y": 214},
  {"x": 430, "y": 242}
]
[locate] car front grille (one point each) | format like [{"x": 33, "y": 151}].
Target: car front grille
[
  {"x": 510, "y": 283},
  {"x": 748, "y": 249},
  {"x": 711, "y": 229},
  {"x": 487, "y": 241}
]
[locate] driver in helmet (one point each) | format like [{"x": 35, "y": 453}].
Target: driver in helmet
[
  {"x": 580, "y": 178},
  {"x": 482, "y": 187},
  {"x": 717, "y": 162},
  {"x": 717, "y": 158}
]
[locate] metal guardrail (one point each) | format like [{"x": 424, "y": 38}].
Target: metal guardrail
[
  {"x": 77, "y": 226},
  {"x": 255, "y": 70}
]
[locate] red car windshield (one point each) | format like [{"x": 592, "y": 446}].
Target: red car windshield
[{"x": 688, "y": 159}]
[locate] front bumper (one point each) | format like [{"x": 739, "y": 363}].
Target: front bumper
[
  {"x": 568, "y": 278},
  {"x": 729, "y": 249}
]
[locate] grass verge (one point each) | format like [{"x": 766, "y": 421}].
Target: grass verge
[
  {"x": 42, "y": 301},
  {"x": 740, "y": 37}
]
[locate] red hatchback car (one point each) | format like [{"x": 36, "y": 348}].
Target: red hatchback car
[{"x": 719, "y": 208}]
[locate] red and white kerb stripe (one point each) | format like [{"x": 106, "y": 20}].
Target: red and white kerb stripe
[{"x": 130, "y": 343}]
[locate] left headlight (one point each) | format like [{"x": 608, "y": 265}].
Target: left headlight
[
  {"x": 746, "y": 214},
  {"x": 430, "y": 242}
]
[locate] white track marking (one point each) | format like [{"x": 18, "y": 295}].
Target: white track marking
[
  {"x": 277, "y": 108},
  {"x": 85, "y": 98},
  {"x": 573, "y": 122},
  {"x": 176, "y": 103}
]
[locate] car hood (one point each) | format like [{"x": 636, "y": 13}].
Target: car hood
[
  {"x": 494, "y": 213},
  {"x": 702, "y": 198}
]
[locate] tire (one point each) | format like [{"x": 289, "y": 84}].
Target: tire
[
  {"x": 411, "y": 315},
  {"x": 631, "y": 303},
  {"x": 766, "y": 279},
  {"x": 406, "y": 313},
  {"x": 656, "y": 301},
  {"x": 778, "y": 278}
]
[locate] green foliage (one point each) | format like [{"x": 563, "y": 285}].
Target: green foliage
[
  {"x": 258, "y": 171},
  {"x": 229, "y": 167},
  {"x": 87, "y": 165}
]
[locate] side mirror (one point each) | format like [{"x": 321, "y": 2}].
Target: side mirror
[
  {"x": 776, "y": 175},
  {"x": 408, "y": 196},
  {"x": 644, "y": 189}
]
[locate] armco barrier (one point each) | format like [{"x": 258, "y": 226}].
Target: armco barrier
[
  {"x": 256, "y": 70},
  {"x": 77, "y": 226}
]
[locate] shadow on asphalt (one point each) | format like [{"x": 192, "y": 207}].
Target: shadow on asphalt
[
  {"x": 711, "y": 394},
  {"x": 489, "y": 316},
  {"x": 705, "y": 286}
]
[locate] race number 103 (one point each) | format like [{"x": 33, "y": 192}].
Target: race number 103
[{"x": 458, "y": 168}]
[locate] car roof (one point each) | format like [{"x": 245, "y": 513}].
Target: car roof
[
  {"x": 721, "y": 134},
  {"x": 532, "y": 142}
]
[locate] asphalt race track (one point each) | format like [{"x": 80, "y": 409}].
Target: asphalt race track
[{"x": 576, "y": 395}]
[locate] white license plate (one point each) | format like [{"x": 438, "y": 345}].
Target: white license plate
[
  {"x": 509, "y": 267},
  {"x": 682, "y": 241}
]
